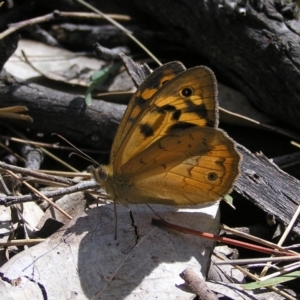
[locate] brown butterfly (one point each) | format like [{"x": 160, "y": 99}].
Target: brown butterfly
[{"x": 168, "y": 148}]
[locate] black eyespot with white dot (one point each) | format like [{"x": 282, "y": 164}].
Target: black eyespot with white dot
[
  {"x": 186, "y": 92},
  {"x": 212, "y": 176}
]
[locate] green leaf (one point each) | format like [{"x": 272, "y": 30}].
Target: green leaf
[
  {"x": 88, "y": 99},
  {"x": 98, "y": 78},
  {"x": 229, "y": 200},
  {"x": 272, "y": 281}
]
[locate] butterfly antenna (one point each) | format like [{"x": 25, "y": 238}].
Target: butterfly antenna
[
  {"x": 80, "y": 154},
  {"x": 86, "y": 157}
]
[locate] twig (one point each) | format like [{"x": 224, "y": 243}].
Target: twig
[
  {"x": 254, "y": 277},
  {"x": 257, "y": 260},
  {"x": 282, "y": 271},
  {"x": 197, "y": 284},
  {"x": 287, "y": 160},
  {"x": 254, "y": 238},
  {"x": 20, "y": 158},
  {"x": 86, "y": 175},
  {"x": 40, "y": 194},
  {"x": 3, "y": 187},
  {"x": 21, "y": 242},
  {"x": 164, "y": 224},
  {"x": 82, "y": 186},
  {"x": 127, "y": 32},
  {"x": 284, "y": 235},
  {"x": 34, "y": 157},
  {"x": 289, "y": 227},
  {"x": 37, "y": 174},
  {"x": 48, "y": 153},
  {"x": 47, "y": 145},
  {"x": 54, "y": 16}
]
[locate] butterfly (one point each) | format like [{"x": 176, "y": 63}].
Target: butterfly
[{"x": 168, "y": 148}]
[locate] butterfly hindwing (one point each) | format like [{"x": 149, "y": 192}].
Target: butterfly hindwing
[{"x": 188, "y": 167}]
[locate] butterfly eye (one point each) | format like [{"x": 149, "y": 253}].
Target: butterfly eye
[
  {"x": 186, "y": 92},
  {"x": 212, "y": 176},
  {"x": 102, "y": 174},
  {"x": 164, "y": 82}
]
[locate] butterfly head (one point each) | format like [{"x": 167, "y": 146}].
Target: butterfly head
[
  {"x": 100, "y": 174},
  {"x": 103, "y": 175}
]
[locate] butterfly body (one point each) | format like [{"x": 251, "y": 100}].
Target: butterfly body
[{"x": 168, "y": 149}]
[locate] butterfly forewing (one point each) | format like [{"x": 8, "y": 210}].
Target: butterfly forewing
[
  {"x": 139, "y": 100},
  {"x": 185, "y": 101}
]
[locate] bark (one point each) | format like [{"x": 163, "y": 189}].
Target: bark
[
  {"x": 268, "y": 187},
  {"x": 62, "y": 113},
  {"x": 254, "y": 44}
]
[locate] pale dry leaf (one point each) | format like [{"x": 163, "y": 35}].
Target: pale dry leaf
[
  {"x": 53, "y": 62},
  {"x": 143, "y": 263}
]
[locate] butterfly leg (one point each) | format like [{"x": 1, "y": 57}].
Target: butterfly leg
[
  {"x": 116, "y": 220},
  {"x": 154, "y": 211}
]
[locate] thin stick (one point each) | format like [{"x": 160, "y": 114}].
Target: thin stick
[
  {"x": 40, "y": 194},
  {"x": 47, "y": 145},
  {"x": 254, "y": 238},
  {"x": 162, "y": 223},
  {"x": 66, "y": 174},
  {"x": 20, "y": 158},
  {"x": 47, "y": 152},
  {"x": 54, "y": 16},
  {"x": 289, "y": 227},
  {"x": 116, "y": 219},
  {"x": 282, "y": 271},
  {"x": 154, "y": 211},
  {"x": 127, "y": 32},
  {"x": 257, "y": 260},
  {"x": 82, "y": 186},
  {"x": 38, "y": 174},
  {"x": 254, "y": 277},
  {"x": 21, "y": 242},
  {"x": 284, "y": 235}
]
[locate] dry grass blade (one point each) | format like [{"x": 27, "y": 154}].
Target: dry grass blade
[
  {"x": 254, "y": 238},
  {"x": 21, "y": 242},
  {"x": 258, "y": 260},
  {"x": 47, "y": 145},
  {"x": 40, "y": 194},
  {"x": 37, "y": 174},
  {"x": 47, "y": 152},
  {"x": 127, "y": 32},
  {"x": 57, "y": 14},
  {"x": 20, "y": 158},
  {"x": 254, "y": 277},
  {"x": 12, "y": 112},
  {"x": 286, "y": 232}
]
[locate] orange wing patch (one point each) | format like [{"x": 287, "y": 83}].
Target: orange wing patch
[
  {"x": 185, "y": 101},
  {"x": 139, "y": 100}
]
